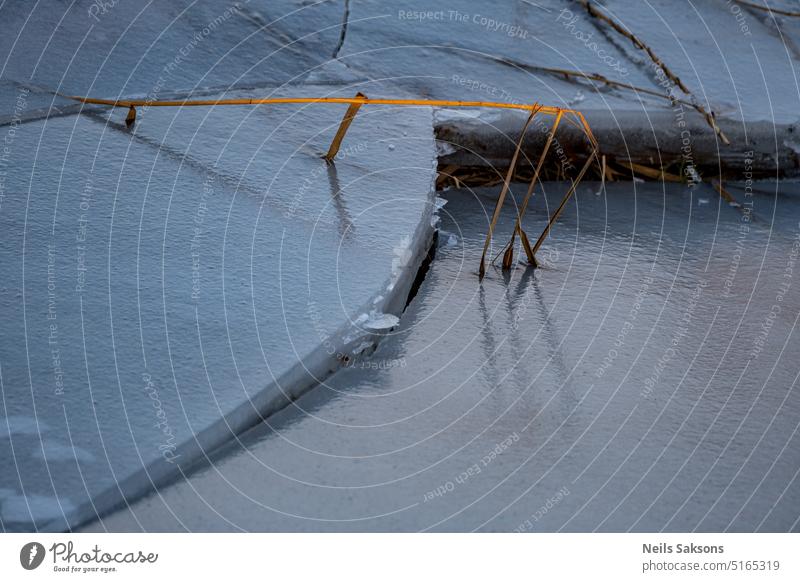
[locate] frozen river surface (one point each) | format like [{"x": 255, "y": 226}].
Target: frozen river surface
[
  {"x": 164, "y": 287},
  {"x": 160, "y": 293},
  {"x": 644, "y": 379}
]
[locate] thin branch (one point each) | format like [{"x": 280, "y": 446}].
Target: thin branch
[
  {"x": 768, "y": 9},
  {"x": 638, "y": 43}
]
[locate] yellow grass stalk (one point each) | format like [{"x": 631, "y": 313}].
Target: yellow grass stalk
[
  {"x": 501, "y": 198},
  {"x": 508, "y": 257},
  {"x": 343, "y": 127},
  {"x": 575, "y": 118},
  {"x": 564, "y": 201}
]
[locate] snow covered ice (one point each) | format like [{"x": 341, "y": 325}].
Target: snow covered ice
[{"x": 164, "y": 287}]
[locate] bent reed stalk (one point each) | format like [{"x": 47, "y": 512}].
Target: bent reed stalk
[{"x": 572, "y": 116}]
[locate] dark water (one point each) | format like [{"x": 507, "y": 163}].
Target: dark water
[{"x": 643, "y": 379}]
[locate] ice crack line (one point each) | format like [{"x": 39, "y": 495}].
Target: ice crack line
[{"x": 343, "y": 33}]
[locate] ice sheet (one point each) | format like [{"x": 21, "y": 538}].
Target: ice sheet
[
  {"x": 734, "y": 65},
  {"x": 200, "y": 267}
]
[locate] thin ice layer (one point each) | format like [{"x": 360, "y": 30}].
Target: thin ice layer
[
  {"x": 495, "y": 53},
  {"x": 729, "y": 57},
  {"x": 199, "y": 267}
]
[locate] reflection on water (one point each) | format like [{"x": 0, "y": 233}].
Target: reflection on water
[
  {"x": 345, "y": 222},
  {"x": 643, "y": 379}
]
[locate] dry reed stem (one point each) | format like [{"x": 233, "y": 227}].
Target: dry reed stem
[
  {"x": 509, "y": 255},
  {"x": 724, "y": 193},
  {"x": 660, "y": 175},
  {"x": 607, "y": 173},
  {"x": 359, "y": 100},
  {"x": 768, "y": 9},
  {"x": 603, "y": 174},
  {"x": 501, "y": 198},
  {"x": 343, "y": 127},
  {"x": 568, "y": 73},
  {"x": 564, "y": 201},
  {"x": 314, "y": 100},
  {"x": 444, "y": 173},
  {"x": 130, "y": 119}
]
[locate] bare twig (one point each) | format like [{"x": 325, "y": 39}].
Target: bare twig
[
  {"x": 768, "y": 9},
  {"x": 567, "y": 74},
  {"x": 638, "y": 43},
  {"x": 659, "y": 175}
]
